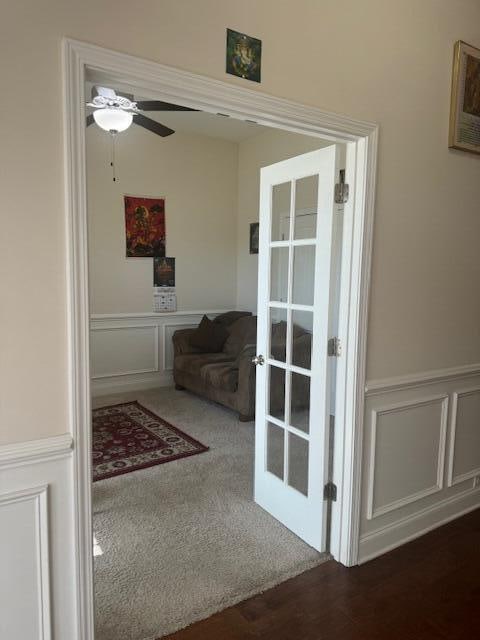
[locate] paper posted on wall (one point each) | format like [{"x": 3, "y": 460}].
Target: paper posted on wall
[{"x": 164, "y": 299}]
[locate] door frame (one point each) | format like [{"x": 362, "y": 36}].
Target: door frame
[{"x": 215, "y": 96}]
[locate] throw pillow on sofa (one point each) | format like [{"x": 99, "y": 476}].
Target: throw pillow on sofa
[{"x": 209, "y": 336}]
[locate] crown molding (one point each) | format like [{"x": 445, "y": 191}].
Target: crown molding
[{"x": 398, "y": 383}]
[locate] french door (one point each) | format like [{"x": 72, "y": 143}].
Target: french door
[{"x": 295, "y": 299}]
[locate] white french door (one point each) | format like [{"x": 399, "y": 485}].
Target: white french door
[{"x": 294, "y": 322}]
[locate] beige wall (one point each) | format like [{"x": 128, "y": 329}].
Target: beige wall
[
  {"x": 253, "y": 154},
  {"x": 198, "y": 177},
  {"x": 382, "y": 60}
]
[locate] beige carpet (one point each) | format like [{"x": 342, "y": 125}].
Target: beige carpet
[{"x": 182, "y": 540}]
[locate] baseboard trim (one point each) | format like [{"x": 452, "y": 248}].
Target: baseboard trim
[
  {"x": 121, "y": 384},
  {"x": 33, "y": 451},
  {"x": 396, "y": 534},
  {"x": 419, "y": 379}
]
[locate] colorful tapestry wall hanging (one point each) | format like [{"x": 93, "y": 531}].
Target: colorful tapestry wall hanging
[{"x": 144, "y": 227}]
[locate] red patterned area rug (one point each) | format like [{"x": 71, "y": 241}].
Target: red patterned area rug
[{"x": 127, "y": 437}]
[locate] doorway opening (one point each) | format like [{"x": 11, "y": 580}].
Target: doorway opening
[{"x": 281, "y": 313}]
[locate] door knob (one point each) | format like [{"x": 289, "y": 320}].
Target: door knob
[{"x": 258, "y": 360}]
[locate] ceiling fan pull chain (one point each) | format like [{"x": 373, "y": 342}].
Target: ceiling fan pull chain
[{"x": 112, "y": 161}]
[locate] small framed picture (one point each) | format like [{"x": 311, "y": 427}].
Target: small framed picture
[
  {"x": 244, "y": 55},
  {"x": 164, "y": 272},
  {"x": 464, "y": 131},
  {"x": 254, "y": 230}
]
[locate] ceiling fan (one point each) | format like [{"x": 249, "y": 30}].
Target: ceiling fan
[{"x": 114, "y": 112}]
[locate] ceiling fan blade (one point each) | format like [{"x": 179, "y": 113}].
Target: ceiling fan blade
[
  {"x": 157, "y": 105},
  {"x": 152, "y": 125},
  {"x": 90, "y": 120}
]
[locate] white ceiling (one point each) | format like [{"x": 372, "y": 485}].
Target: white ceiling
[
  {"x": 197, "y": 122},
  {"x": 207, "y": 124}
]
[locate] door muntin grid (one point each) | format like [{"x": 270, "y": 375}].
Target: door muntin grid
[{"x": 292, "y": 249}]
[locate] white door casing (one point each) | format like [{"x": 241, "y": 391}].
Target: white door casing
[
  {"x": 214, "y": 96},
  {"x": 291, "y": 443}
]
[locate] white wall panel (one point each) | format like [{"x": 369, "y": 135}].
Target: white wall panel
[
  {"x": 421, "y": 455},
  {"x": 118, "y": 351},
  {"x": 407, "y": 453},
  {"x": 130, "y": 352},
  {"x": 464, "y": 460},
  {"x": 24, "y": 577},
  {"x": 37, "y": 541}
]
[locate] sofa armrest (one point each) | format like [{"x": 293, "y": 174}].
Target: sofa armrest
[
  {"x": 302, "y": 351},
  {"x": 246, "y": 380},
  {"x": 246, "y": 354},
  {"x": 181, "y": 342}
]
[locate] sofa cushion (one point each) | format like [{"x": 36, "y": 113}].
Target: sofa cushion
[
  {"x": 209, "y": 336},
  {"x": 240, "y": 333},
  {"x": 192, "y": 363}
]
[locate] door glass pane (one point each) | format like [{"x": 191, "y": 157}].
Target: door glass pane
[
  {"x": 306, "y": 199},
  {"x": 300, "y": 402},
  {"x": 281, "y": 211},
  {"x": 277, "y": 393},
  {"x": 279, "y": 274},
  {"x": 298, "y": 463},
  {"x": 275, "y": 448},
  {"x": 278, "y": 334},
  {"x": 302, "y": 330},
  {"x": 303, "y": 274}
]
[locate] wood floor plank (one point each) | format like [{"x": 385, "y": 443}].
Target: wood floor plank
[{"x": 428, "y": 589}]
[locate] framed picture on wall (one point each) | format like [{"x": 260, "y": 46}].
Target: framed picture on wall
[
  {"x": 144, "y": 227},
  {"x": 464, "y": 131},
  {"x": 254, "y": 231},
  {"x": 164, "y": 272},
  {"x": 244, "y": 55}
]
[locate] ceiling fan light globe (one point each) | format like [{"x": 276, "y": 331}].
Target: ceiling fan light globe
[{"x": 113, "y": 119}]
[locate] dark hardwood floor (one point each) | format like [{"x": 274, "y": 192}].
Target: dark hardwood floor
[{"x": 428, "y": 589}]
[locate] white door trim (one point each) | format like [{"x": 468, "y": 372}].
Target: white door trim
[{"x": 173, "y": 85}]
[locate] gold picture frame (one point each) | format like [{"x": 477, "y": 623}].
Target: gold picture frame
[{"x": 464, "y": 132}]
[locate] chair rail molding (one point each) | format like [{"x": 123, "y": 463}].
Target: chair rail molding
[
  {"x": 214, "y": 96},
  {"x": 398, "y": 383},
  {"x": 23, "y": 453}
]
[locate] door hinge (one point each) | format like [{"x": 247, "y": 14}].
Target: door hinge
[
  {"x": 334, "y": 347},
  {"x": 341, "y": 189},
  {"x": 330, "y": 492}
]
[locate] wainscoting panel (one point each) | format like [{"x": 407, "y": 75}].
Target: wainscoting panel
[
  {"x": 121, "y": 351},
  {"x": 130, "y": 352},
  {"x": 407, "y": 453},
  {"x": 37, "y": 540},
  {"x": 464, "y": 462},
  {"x": 421, "y": 455},
  {"x": 24, "y": 555}
]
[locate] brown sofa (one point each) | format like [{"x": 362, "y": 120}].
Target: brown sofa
[{"x": 228, "y": 377}]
